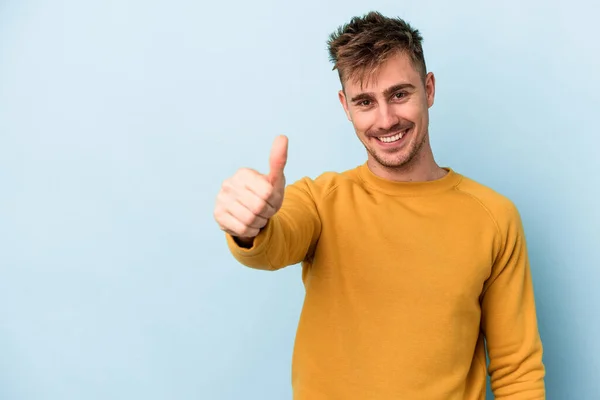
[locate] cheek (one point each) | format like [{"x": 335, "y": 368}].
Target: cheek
[
  {"x": 413, "y": 112},
  {"x": 362, "y": 121}
]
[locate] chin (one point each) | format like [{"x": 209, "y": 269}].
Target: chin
[
  {"x": 393, "y": 159},
  {"x": 393, "y": 163}
]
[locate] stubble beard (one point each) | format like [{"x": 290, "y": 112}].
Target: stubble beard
[{"x": 404, "y": 158}]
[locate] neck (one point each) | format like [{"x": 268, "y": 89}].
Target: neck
[{"x": 421, "y": 168}]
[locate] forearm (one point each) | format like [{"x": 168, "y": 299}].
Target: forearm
[
  {"x": 288, "y": 237},
  {"x": 515, "y": 349},
  {"x": 510, "y": 321}
]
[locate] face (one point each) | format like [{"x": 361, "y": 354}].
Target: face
[{"x": 390, "y": 113}]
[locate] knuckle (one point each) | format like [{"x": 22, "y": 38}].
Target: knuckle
[
  {"x": 248, "y": 232},
  {"x": 221, "y": 206},
  {"x": 227, "y": 185},
  {"x": 219, "y": 200},
  {"x": 259, "y": 207},
  {"x": 269, "y": 191},
  {"x": 247, "y": 219},
  {"x": 218, "y": 213},
  {"x": 244, "y": 173}
]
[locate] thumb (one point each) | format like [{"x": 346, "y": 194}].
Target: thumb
[{"x": 277, "y": 160}]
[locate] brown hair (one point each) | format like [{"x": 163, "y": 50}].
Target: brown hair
[{"x": 360, "y": 46}]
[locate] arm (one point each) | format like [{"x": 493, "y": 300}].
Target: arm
[
  {"x": 288, "y": 237},
  {"x": 509, "y": 319}
]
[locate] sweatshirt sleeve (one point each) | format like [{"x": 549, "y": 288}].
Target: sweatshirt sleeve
[
  {"x": 289, "y": 237},
  {"x": 509, "y": 320}
]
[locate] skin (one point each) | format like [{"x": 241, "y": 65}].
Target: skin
[
  {"x": 248, "y": 199},
  {"x": 397, "y": 98}
]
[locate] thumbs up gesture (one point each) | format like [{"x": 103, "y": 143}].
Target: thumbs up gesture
[{"x": 248, "y": 199}]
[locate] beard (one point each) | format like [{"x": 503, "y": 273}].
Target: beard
[{"x": 401, "y": 158}]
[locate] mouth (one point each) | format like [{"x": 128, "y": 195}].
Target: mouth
[{"x": 393, "y": 138}]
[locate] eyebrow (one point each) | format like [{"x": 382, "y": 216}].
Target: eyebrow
[{"x": 386, "y": 92}]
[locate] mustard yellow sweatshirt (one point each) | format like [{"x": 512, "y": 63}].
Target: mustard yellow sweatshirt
[{"x": 404, "y": 281}]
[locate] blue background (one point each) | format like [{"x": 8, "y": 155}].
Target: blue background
[{"x": 120, "y": 119}]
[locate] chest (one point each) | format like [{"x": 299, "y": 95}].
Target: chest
[{"x": 408, "y": 249}]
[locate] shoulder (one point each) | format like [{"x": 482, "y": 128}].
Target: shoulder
[
  {"x": 501, "y": 209},
  {"x": 326, "y": 183}
]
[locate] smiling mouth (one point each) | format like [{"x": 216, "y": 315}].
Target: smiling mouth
[{"x": 394, "y": 138}]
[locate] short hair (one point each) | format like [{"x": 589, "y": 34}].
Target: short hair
[{"x": 359, "y": 47}]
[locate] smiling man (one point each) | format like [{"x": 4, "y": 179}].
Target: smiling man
[{"x": 410, "y": 269}]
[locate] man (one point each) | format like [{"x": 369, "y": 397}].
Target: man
[{"x": 410, "y": 269}]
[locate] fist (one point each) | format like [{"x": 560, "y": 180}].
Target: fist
[{"x": 248, "y": 199}]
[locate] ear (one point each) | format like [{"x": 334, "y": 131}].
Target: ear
[
  {"x": 430, "y": 88},
  {"x": 344, "y": 102}
]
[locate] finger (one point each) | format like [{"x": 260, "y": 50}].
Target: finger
[
  {"x": 253, "y": 191},
  {"x": 258, "y": 206},
  {"x": 231, "y": 202},
  {"x": 259, "y": 185},
  {"x": 278, "y": 160},
  {"x": 241, "y": 211},
  {"x": 235, "y": 227}
]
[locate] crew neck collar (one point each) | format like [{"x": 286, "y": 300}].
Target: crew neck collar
[{"x": 404, "y": 188}]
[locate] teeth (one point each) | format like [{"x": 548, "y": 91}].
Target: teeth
[{"x": 390, "y": 139}]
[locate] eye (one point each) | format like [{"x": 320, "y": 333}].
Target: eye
[
  {"x": 400, "y": 95},
  {"x": 364, "y": 103}
]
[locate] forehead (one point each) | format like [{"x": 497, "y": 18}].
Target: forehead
[{"x": 396, "y": 70}]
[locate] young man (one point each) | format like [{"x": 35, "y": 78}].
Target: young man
[{"x": 410, "y": 269}]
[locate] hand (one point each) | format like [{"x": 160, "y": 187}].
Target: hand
[{"x": 248, "y": 199}]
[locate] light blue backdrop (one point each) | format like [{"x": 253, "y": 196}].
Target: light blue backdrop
[{"x": 120, "y": 119}]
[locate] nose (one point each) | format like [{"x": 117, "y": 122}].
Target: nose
[{"x": 386, "y": 118}]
